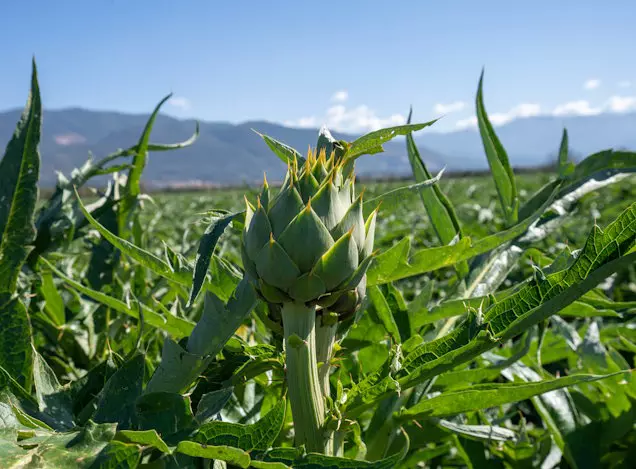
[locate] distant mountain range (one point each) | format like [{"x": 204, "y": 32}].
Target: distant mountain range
[{"x": 233, "y": 154}]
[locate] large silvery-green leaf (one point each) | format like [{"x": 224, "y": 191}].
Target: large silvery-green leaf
[
  {"x": 19, "y": 173},
  {"x": 52, "y": 398},
  {"x": 179, "y": 367},
  {"x": 79, "y": 449},
  {"x": 16, "y": 352},
  {"x": 498, "y": 160}
]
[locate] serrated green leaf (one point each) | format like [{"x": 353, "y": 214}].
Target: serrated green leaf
[
  {"x": 268, "y": 465},
  {"x": 207, "y": 243},
  {"x": 141, "y": 151},
  {"x": 600, "y": 257},
  {"x": 384, "y": 312},
  {"x": 498, "y": 160},
  {"x": 66, "y": 450},
  {"x": 145, "y": 258},
  {"x": 231, "y": 455},
  {"x": 260, "y": 435},
  {"x": 144, "y": 438},
  {"x": 53, "y": 302},
  {"x": 176, "y": 326},
  {"x": 372, "y": 142},
  {"x": 393, "y": 198},
  {"x": 438, "y": 207},
  {"x": 117, "y": 455},
  {"x": 565, "y": 166},
  {"x": 396, "y": 263},
  {"x": 52, "y": 399},
  {"x": 16, "y": 353},
  {"x": 19, "y": 173},
  {"x": 284, "y": 152},
  {"x": 479, "y": 432},
  {"x": 319, "y": 461},
  {"x": 482, "y": 396}
]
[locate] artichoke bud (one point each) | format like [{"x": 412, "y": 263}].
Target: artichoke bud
[{"x": 310, "y": 243}]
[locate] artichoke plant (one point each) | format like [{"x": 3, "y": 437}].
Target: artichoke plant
[{"x": 307, "y": 250}]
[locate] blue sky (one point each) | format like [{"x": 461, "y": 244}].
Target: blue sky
[{"x": 352, "y": 64}]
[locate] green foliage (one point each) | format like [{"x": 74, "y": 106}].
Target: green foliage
[
  {"x": 467, "y": 322},
  {"x": 497, "y": 160},
  {"x": 19, "y": 172}
]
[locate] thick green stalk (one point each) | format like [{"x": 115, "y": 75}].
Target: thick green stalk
[
  {"x": 305, "y": 392},
  {"x": 325, "y": 338}
]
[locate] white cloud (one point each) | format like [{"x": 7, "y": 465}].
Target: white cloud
[
  {"x": 180, "y": 102},
  {"x": 616, "y": 104},
  {"x": 466, "y": 123},
  {"x": 441, "y": 108},
  {"x": 581, "y": 107},
  {"x": 621, "y": 104},
  {"x": 354, "y": 120},
  {"x": 340, "y": 96},
  {"x": 576, "y": 108},
  {"x": 501, "y": 118},
  {"x": 624, "y": 84},
  {"x": 592, "y": 84}
]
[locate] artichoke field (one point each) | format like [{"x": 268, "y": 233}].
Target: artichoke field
[{"x": 440, "y": 322}]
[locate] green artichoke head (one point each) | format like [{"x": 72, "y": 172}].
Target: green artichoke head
[{"x": 310, "y": 243}]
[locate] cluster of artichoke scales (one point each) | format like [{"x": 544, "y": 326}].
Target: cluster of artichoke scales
[{"x": 309, "y": 243}]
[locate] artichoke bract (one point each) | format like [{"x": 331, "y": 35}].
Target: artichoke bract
[{"x": 310, "y": 243}]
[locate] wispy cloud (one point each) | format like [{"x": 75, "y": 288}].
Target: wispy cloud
[
  {"x": 340, "y": 96},
  {"x": 353, "y": 120},
  {"x": 576, "y": 108},
  {"x": 621, "y": 104},
  {"x": 581, "y": 107},
  {"x": 592, "y": 84},
  {"x": 441, "y": 108},
  {"x": 342, "y": 118},
  {"x": 614, "y": 104},
  {"x": 180, "y": 103},
  {"x": 624, "y": 84},
  {"x": 501, "y": 118}
]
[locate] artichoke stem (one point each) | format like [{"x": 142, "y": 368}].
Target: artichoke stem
[
  {"x": 325, "y": 338},
  {"x": 305, "y": 391}
]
